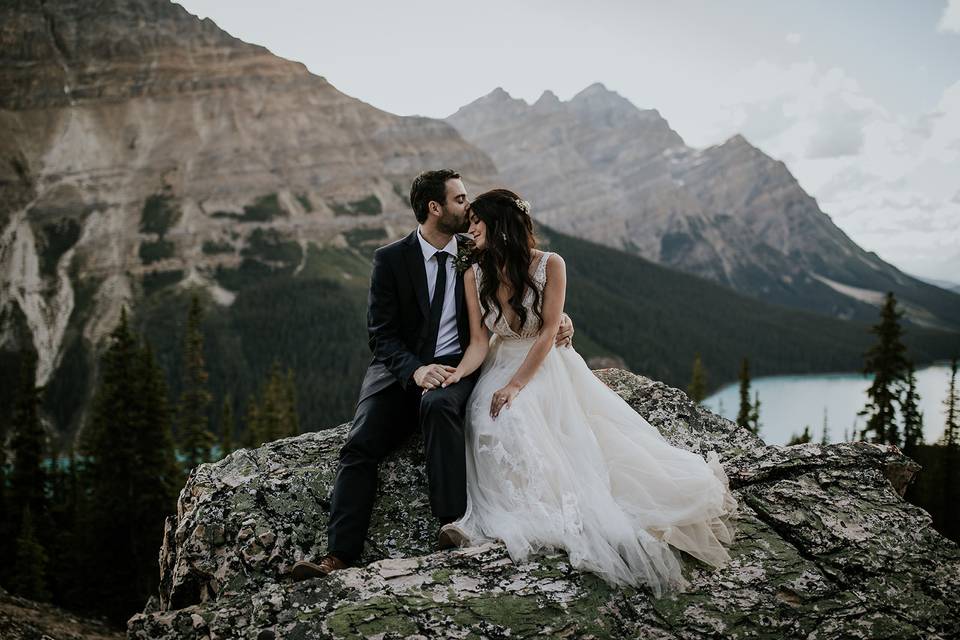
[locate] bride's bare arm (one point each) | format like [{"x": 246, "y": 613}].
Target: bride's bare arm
[
  {"x": 479, "y": 334},
  {"x": 553, "y": 299}
]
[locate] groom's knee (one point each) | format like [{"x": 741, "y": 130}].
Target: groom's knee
[
  {"x": 363, "y": 443},
  {"x": 439, "y": 403}
]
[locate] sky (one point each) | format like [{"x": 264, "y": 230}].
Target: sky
[{"x": 860, "y": 98}]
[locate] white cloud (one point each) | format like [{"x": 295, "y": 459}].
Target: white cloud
[
  {"x": 794, "y": 38},
  {"x": 950, "y": 20}
]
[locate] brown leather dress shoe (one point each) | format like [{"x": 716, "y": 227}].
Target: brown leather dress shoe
[
  {"x": 304, "y": 570},
  {"x": 451, "y": 536}
]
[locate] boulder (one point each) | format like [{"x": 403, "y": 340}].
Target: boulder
[{"x": 826, "y": 547}]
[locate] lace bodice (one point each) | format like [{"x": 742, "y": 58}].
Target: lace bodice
[{"x": 501, "y": 327}]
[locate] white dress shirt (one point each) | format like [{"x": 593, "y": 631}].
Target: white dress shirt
[{"x": 448, "y": 341}]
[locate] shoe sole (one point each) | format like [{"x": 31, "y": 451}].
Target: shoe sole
[
  {"x": 452, "y": 538},
  {"x": 305, "y": 571}
]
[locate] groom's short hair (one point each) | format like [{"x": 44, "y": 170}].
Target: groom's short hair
[{"x": 429, "y": 186}]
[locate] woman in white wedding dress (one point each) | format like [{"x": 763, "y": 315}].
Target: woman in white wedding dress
[{"x": 555, "y": 459}]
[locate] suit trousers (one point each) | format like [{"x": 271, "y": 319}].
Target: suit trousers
[{"x": 382, "y": 422}]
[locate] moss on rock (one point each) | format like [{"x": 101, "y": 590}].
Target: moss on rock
[{"x": 825, "y": 548}]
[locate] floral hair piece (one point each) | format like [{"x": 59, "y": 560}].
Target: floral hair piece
[{"x": 523, "y": 205}]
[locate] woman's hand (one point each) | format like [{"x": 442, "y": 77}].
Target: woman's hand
[
  {"x": 453, "y": 378},
  {"x": 503, "y": 398}
]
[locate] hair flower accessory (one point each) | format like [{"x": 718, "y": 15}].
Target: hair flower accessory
[{"x": 523, "y": 205}]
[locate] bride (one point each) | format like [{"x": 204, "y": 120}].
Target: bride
[{"x": 555, "y": 459}]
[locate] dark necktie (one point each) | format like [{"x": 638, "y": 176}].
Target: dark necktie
[{"x": 436, "y": 307}]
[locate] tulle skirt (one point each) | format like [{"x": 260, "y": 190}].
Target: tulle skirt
[{"x": 570, "y": 465}]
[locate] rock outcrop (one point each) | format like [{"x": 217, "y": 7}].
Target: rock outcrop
[
  {"x": 22, "y": 619},
  {"x": 600, "y": 168},
  {"x": 826, "y": 548}
]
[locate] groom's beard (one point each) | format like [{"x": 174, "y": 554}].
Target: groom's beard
[{"x": 449, "y": 223}]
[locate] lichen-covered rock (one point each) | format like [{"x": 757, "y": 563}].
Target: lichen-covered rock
[
  {"x": 825, "y": 548},
  {"x": 249, "y": 517}
]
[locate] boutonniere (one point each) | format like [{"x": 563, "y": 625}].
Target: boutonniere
[{"x": 465, "y": 256}]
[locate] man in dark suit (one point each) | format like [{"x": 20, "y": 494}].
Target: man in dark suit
[{"x": 418, "y": 331}]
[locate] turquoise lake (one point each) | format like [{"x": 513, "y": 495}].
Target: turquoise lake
[{"x": 787, "y": 403}]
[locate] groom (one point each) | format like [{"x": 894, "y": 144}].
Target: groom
[{"x": 418, "y": 331}]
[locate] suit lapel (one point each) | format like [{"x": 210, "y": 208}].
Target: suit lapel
[{"x": 418, "y": 273}]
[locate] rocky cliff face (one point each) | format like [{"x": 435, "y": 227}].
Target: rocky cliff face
[
  {"x": 826, "y": 548},
  {"x": 603, "y": 169},
  {"x": 138, "y": 139},
  {"x": 141, "y": 147}
]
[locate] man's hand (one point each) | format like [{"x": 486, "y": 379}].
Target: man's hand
[
  {"x": 431, "y": 376},
  {"x": 565, "y": 334}
]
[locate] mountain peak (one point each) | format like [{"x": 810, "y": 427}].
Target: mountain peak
[
  {"x": 499, "y": 95},
  {"x": 547, "y": 100},
  {"x": 737, "y": 141},
  {"x": 496, "y": 104},
  {"x": 596, "y": 89},
  {"x": 597, "y": 96}
]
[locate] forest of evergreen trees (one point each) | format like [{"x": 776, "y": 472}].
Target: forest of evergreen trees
[{"x": 82, "y": 528}]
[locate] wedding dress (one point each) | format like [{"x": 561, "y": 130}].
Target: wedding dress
[{"x": 570, "y": 465}]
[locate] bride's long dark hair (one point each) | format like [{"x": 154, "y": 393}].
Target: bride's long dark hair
[{"x": 507, "y": 254}]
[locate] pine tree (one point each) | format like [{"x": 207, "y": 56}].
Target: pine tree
[
  {"x": 697, "y": 390},
  {"x": 825, "y": 436},
  {"x": 6, "y": 524},
  {"x": 108, "y": 450},
  {"x": 803, "y": 438},
  {"x": 27, "y": 480},
  {"x": 196, "y": 439},
  {"x": 951, "y": 430},
  {"x": 30, "y": 564},
  {"x": 754, "y": 420},
  {"x": 226, "y": 426},
  {"x": 276, "y": 413},
  {"x": 290, "y": 402},
  {"x": 253, "y": 437},
  {"x": 63, "y": 550},
  {"x": 132, "y": 477},
  {"x": 159, "y": 476},
  {"x": 951, "y": 456},
  {"x": 887, "y": 361},
  {"x": 912, "y": 416},
  {"x": 743, "y": 417},
  {"x": 272, "y": 412}
]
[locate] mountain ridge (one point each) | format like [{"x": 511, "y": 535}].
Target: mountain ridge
[{"x": 621, "y": 176}]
